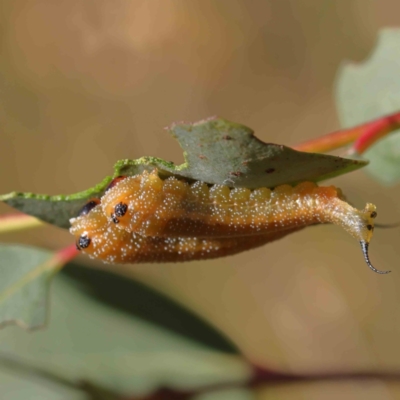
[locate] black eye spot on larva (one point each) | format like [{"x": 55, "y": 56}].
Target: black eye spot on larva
[
  {"x": 120, "y": 209},
  {"x": 270, "y": 170},
  {"x": 88, "y": 207},
  {"x": 83, "y": 242},
  {"x": 114, "y": 219},
  {"x": 114, "y": 182},
  {"x": 370, "y": 227},
  {"x": 374, "y": 214}
]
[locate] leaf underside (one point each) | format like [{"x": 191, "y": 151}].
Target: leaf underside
[
  {"x": 216, "y": 151},
  {"x": 89, "y": 340}
]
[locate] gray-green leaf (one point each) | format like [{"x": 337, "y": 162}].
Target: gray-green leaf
[
  {"x": 87, "y": 340},
  {"x": 370, "y": 90},
  {"x": 25, "y": 278}
]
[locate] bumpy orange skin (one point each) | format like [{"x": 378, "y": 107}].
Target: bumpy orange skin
[
  {"x": 146, "y": 219},
  {"x": 150, "y": 206},
  {"x": 102, "y": 240}
]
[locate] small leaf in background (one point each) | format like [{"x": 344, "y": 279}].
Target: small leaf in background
[
  {"x": 370, "y": 90},
  {"x": 216, "y": 151},
  {"x": 24, "y": 284}
]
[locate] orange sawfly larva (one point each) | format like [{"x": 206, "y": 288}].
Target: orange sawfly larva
[
  {"x": 100, "y": 239},
  {"x": 151, "y": 207}
]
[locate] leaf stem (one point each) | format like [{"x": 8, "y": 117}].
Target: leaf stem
[
  {"x": 64, "y": 256},
  {"x": 18, "y": 222},
  {"x": 362, "y": 136}
]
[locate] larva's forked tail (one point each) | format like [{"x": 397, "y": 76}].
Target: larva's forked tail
[
  {"x": 364, "y": 247},
  {"x": 359, "y": 223}
]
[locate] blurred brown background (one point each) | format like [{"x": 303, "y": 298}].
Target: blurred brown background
[{"x": 85, "y": 83}]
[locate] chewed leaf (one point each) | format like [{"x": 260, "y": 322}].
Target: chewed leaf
[
  {"x": 370, "y": 90},
  {"x": 216, "y": 151},
  {"x": 224, "y": 152},
  {"x": 25, "y": 278}
]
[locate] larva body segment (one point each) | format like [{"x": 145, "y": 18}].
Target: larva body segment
[
  {"x": 100, "y": 239},
  {"x": 173, "y": 208}
]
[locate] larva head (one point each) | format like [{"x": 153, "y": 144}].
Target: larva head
[
  {"x": 131, "y": 201},
  {"x": 87, "y": 226},
  {"x": 96, "y": 237},
  {"x": 82, "y": 239}
]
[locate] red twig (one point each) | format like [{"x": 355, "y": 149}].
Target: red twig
[
  {"x": 65, "y": 255},
  {"x": 362, "y": 136}
]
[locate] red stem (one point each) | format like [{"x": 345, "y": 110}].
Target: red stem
[
  {"x": 65, "y": 255},
  {"x": 362, "y": 136}
]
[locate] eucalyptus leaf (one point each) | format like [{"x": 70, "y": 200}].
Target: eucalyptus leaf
[
  {"x": 215, "y": 151},
  {"x": 224, "y": 152},
  {"x": 89, "y": 341},
  {"x": 56, "y": 210},
  {"x": 139, "y": 300},
  {"x": 369, "y": 90},
  {"x": 16, "y": 386},
  {"x": 25, "y": 278}
]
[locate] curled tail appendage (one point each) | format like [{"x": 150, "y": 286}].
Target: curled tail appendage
[
  {"x": 359, "y": 223},
  {"x": 364, "y": 247}
]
